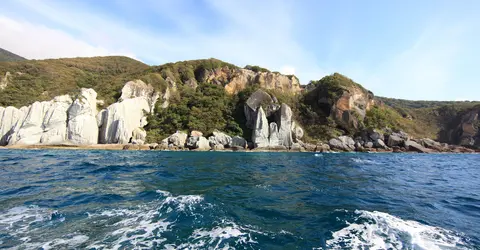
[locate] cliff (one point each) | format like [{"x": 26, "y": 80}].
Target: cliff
[{"x": 119, "y": 100}]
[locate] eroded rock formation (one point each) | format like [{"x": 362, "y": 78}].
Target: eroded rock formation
[{"x": 63, "y": 120}]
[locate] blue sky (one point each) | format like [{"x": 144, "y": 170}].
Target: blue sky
[{"x": 421, "y": 50}]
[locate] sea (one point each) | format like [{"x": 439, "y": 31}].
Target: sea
[{"x": 93, "y": 199}]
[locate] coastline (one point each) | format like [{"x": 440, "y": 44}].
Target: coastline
[{"x": 146, "y": 147}]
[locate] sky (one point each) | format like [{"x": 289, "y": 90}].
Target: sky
[{"x": 409, "y": 49}]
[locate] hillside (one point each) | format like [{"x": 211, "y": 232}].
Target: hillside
[
  {"x": 7, "y": 56},
  {"x": 210, "y": 95},
  {"x": 39, "y": 80}
]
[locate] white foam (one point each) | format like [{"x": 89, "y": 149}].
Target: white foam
[
  {"x": 141, "y": 227},
  {"x": 362, "y": 161},
  {"x": 217, "y": 237},
  {"x": 318, "y": 155},
  {"x": 377, "y": 230}
]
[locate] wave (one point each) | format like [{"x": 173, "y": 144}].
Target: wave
[
  {"x": 377, "y": 230},
  {"x": 362, "y": 161}
]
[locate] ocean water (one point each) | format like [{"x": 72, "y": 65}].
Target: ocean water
[{"x": 68, "y": 199}]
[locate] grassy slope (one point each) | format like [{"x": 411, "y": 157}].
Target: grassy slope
[
  {"x": 427, "y": 118},
  {"x": 7, "y": 56},
  {"x": 38, "y": 80}
]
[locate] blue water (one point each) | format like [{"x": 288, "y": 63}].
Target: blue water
[{"x": 67, "y": 199}]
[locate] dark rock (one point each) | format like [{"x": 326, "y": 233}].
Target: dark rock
[
  {"x": 379, "y": 144},
  {"x": 415, "y": 147},
  {"x": 395, "y": 140}
]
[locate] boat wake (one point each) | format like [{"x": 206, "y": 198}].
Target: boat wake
[{"x": 377, "y": 230}]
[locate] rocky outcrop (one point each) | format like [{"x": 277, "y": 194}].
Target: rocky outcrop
[
  {"x": 342, "y": 143},
  {"x": 464, "y": 129},
  {"x": 260, "y": 133},
  {"x": 82, "y": 121},
  {"x": 120, "y": 119},
  {"x": 55, "y": 127},
  {"x": 178, "y": 139},
  {"x": 297, "y": 131},
  {"x": 220, "y": 138},
  {"x": 273, "y": 138},
  {"x": 236, "y": 79},
  {"x": 282, "y": 132},
  {"x": 258, "y": 99},
  {"x": 11, "y": 120},
  {"x": 415, "y": 147},
  {"x": 284, "y": 121},
  {"x": 198, "y": 143},
  {"x": 341, "y": 99},
  {"x": 62, "y": 120},
  {"x": 238, "y": 142}
]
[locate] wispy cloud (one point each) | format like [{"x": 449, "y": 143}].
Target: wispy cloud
[{"x": 260, "y": 35}]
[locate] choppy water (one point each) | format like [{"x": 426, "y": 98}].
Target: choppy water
[{"x": 66, "y": 199}]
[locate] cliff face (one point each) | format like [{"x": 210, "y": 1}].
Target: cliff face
[
  {"x": 64, "y": 120},
  {"x": 79, "y": 101},
  {"x": 464, "y": 129},
  {"x": 340, "y": 99},
  {"x": 235, "y": 80}
]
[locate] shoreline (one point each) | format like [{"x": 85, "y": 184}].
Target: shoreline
[{"x": 146, "y": 147}]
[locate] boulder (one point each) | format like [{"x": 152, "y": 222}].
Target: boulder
[
  {"x": 374, "y": 134},
  {"x": 415, "y": 147},
  {"x": 284, "y": 121},
  {"x": 261, "y": 131},
  {"x": 220, "y": 138},
  {"x": 322, "y": 147},
  {"x": 198, "y": 143},
  {"x": 368, "y": 144},
  {"x": 202, "y": 144},
  {"x": 178, "y": 139},
  {"x": 82, "y": 119},
  {"x": 153, "y": 146},
  {"x": 342, "y": 143},
  {"x": 239, "y": 142},
  {"x": 379, "y": 144},
  {"x": 431, "y": 144},
  {"x": 358, "y": 146},
  {"x": 309, "y": 147},
  {"x": 139, "y": 136},
  {"x": 395, "y": 140},
  {"x": 297, "y": 131},
  {"x": 192, "y": 142},
  {"x": 297, "y": 147},
  {"x": 218, "y": 147}
]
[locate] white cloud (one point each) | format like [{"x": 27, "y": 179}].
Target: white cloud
[
  {"x": 35, "y": 41},
  {"x": 261, "y": 37}
]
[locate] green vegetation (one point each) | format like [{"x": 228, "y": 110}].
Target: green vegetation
[
  {"x": 44, "y": 79},
  {"x": 7, "y": 56},
  {"x": 181, "y": 72},
  {"x": 256, "y": 69},
  {"x": 205, "y": 109}
]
